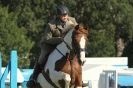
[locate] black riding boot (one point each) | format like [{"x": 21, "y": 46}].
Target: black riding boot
[{"x": 32, "y": 81}]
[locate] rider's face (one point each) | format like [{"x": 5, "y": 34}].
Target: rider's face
[{"x": 64, "y": 18}]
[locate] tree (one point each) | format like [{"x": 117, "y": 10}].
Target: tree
[
  {"x": 32, "y": 17},
  {"x": 110, "y": 23},
  {"x": 98, "y": 17},
  {"x": 108, "y": 20},
  {"x": 13, "y": 38}
]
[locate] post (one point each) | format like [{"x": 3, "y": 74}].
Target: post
[
  {"x": 106, "y": 80},
  {"x": 0, "y": 65},
  {"x": 3, "y": 77},
  {"x": 116, "y": 79},
  {"x": 13, "y": 70}
]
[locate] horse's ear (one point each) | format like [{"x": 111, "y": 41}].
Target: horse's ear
[{"x": 77, "y": 27}]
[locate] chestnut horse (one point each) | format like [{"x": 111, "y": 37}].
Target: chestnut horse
[{"x": 64, "y": 66}]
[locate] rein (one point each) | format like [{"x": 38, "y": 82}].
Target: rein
[
  {"x": 67, "y": 45},
  {"x": 46, "y": 76}
]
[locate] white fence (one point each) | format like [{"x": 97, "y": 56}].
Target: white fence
[
  {"x": 99, "y": 71},
  {"x": 111, "y": 77}
]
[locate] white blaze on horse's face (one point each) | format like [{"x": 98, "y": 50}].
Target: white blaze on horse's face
[{"x": 82, "y": 47}]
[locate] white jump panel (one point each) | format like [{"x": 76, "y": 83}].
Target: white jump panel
[
  {"x": 94, "y": 67},
  {"x": 107, "y": 60}
]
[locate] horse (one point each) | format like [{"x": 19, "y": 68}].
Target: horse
[{"x": 64, "y": 65}]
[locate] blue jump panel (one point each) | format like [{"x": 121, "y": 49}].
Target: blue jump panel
[
  {"x": 27, "y": 73},
  {"x": 125, "y": 80}
]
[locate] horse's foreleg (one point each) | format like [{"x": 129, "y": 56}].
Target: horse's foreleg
[
  {"x": 67, "y": 80},
  {"x": 56, "y": 76},
  {"x": 78, "y": 81}
]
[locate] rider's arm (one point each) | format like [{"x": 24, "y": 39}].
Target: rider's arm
[
  {"x": 49, "y": 39},
  {"x": 72, "y": 21}
]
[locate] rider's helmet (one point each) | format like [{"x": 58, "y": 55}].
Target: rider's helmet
[{"x": 62, "y": 10}]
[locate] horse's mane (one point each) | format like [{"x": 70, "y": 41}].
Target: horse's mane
[{"x": 80, "y": 30}]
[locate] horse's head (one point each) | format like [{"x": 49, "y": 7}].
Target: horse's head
[
  {"x": 79, "y": 38},
  {"x": 75, "y": 40}
]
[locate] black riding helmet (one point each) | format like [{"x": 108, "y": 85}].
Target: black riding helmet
[{"x": 62, "y": 10}]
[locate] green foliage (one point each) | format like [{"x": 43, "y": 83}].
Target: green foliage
[
  {"x": 22, "y": 23},
  {"x": 104, "y": 19},
  {"x": 12, "y": 37}
]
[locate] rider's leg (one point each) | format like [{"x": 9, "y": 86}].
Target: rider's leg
[
  {"x": 37, "y": 69},
  {"x": 39, "y": 65}
]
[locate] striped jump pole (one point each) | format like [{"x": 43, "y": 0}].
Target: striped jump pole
[{"x": 12, "y": 68}]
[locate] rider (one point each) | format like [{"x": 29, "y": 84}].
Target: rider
[{"x": 53, "y": 35}]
